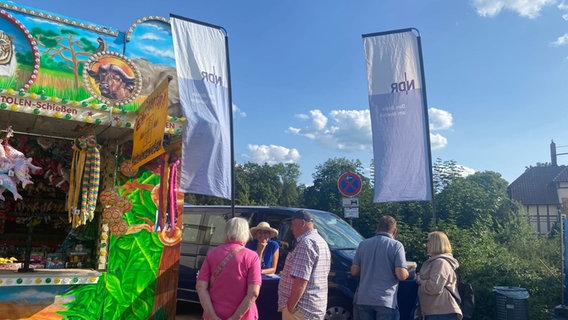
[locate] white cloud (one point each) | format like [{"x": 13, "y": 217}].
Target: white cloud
[
  {"x": 346, "y": 130},
  {"x": 440, "y": 119},
  {"x": 159, "y": 52},
  {"x": 350, "y": 130},
  {"x": 525, "y": 8},
  {"x": 150, "y": 36},
  {"x": 238, "y": 112},
  {"x": 563, "y": 6},
  {"x": 271, "y": 154},
  {"x": 437, "y": 141},
  {"x": 318, "y": 119},
  {"x": 562, "y": 40},
  {"x": 160, "y": 27},
  {"x": 294, "y": 130}
]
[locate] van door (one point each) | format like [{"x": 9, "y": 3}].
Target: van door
[{"x": 202, "y": 231}]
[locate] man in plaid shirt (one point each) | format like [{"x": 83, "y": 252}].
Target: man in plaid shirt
[{"x": 302, "y": 291}]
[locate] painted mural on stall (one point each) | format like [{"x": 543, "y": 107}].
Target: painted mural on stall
[
  {"x": 142, "y": 251},
  {"x": 34, "y": 302},
  {"x": 65, "y": 68},
  {"x": 77, "y": 62}
]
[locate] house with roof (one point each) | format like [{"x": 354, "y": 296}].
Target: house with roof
[{"x": 543, "y": 193}]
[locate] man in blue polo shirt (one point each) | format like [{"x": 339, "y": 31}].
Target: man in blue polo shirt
[{"x": 380, "y": 262}]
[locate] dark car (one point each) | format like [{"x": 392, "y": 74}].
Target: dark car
[{"x": 204, "y": 229}]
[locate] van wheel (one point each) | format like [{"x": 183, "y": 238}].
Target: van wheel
[{"x": 338, "y": 309}]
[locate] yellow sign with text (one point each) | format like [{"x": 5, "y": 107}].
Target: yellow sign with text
[{"x": 149, "y": 128}]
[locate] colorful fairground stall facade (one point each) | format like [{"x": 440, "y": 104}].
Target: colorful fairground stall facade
[{"x": 89, "y": 206}]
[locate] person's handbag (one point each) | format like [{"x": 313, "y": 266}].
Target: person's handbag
[
  {"x": 223, "y": 264},
  {"x": 466, "y": 300}
]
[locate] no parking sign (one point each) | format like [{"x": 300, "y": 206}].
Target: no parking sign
[{"x": 349, "y": 184}]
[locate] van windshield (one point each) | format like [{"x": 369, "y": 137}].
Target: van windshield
[{"x": 336, "y": 232}]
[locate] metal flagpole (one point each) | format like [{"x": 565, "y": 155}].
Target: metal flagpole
[
  {"x": 427, "y": 126},
  {"x": 231, "y": 124}
]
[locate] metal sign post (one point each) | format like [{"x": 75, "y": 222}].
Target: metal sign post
[{"x": 349, "y": 184}]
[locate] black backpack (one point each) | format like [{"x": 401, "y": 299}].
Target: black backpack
[{"x": 467, "y": 298}]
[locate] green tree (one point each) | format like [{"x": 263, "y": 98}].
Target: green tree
[
  {"x": 495, "y": 245},
  {"x": 479, "y": 199},
  {"x": 255, "y": 184},
  {"x": 539, "y": 165},
  {"x": 242, "y": 186},
  {"x": 65, "y": 46},
  {"x": 289, "y": 174},
  {"x": 272, "y": 184},
  {"x": 444, "y": 172},
  {"x": 264, "y": 183}
]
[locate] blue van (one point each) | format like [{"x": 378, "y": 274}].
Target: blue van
[{"x": 203, "y": 228}]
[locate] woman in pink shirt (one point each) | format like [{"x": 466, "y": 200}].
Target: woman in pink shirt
[{"x": 229, "y": 280}]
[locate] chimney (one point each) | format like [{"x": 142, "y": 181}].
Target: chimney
[{"x": 553, "y": 153}]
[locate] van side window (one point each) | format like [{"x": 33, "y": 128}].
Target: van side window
[
  {"x": 191, "y": 226},
  {"x": 285, "y": 235},
  {"x": 274, "y": 220},
  {"x": 215, "y": 229},
  {"x": 281, "y": 222}
]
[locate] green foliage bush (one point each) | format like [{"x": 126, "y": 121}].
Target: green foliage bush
[
  {"x": 524, "y": 260},
  {"x": 494, "y": 244}
]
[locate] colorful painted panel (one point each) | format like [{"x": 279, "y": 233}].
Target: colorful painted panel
[
  {"x": 56, "y": 66},
  {"x": 71, "y": 77},
  {"x": 143, "y": 252},
  {"x": 40, "y": 302}
]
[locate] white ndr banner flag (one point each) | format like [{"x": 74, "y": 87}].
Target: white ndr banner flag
[
  {"x": 201, "y": 63},
  {"x": 398, "y": 117}
]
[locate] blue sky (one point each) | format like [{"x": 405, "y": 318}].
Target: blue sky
[{"x": 496, "y": 74}]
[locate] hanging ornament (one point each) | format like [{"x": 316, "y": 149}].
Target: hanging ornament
[
  {"x": 108, "y": 197},
  {"x": 119, "y": 228},
  {"x": 90, "y": 185},
  {"x": 124, "y": 204},
  {"x": 112, "y": 215},
  {"x": 75, "y": 176},
  {"x": 173, "y": 192},
  {"x": 84, "y": 181},
  {"x": 127, "y": 169}
]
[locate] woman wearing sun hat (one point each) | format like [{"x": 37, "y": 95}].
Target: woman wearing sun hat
[{"x": 268, "y": 250}]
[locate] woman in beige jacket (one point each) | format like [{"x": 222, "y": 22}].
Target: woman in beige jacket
[{"x": 437, "y": 280}]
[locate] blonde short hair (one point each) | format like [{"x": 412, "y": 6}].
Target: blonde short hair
[
  {"x": 439, "y": 243},
  {"x": 237, "y": 229}
]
